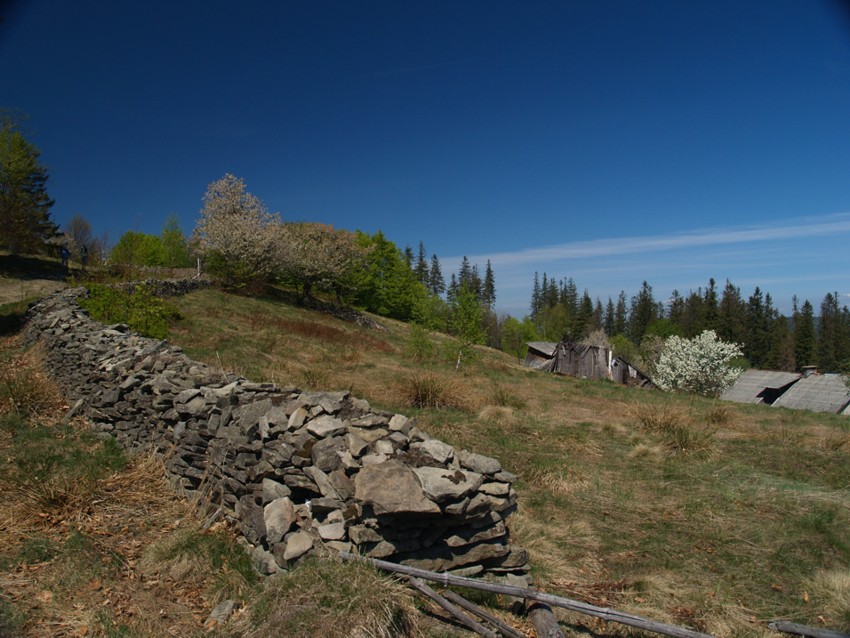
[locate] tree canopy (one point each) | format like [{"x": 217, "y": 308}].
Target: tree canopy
[{"x": 24, "y": 202}]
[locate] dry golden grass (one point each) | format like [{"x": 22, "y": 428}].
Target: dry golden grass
[{"x": 333, "y": 599}]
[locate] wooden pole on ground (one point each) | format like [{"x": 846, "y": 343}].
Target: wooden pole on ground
[{"x": 610, "y": 615}]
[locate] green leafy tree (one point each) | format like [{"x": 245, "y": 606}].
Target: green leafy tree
[
  {"x": 384, "y": 283},
  {"x": 174, "y": 245},
  {"x": 138, "y": 249},
  {"x": 24, "y": 202},
  {"x": 466, "y": 322},
  {"x": 516, "y": 334}
]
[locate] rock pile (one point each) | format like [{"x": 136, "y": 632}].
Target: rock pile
[{"x": 298, "y": 473}]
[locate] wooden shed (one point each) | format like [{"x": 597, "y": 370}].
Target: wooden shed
[{"x": 583, "y": 361}]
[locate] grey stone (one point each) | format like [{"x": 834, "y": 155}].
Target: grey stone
[
  {"x": 273, "y": 489},
  {"x": 263, "y": 561},
  {"x": 322, "y": 482},
  {"x": 357, "y": 445},
  {"x": 441, "y": 485},
  {"x": 332, "y": 531},
  {"x": 325, "y": 453},
  {"x": 434, "y": 449},
  {"x": 479, "y": 463},
  {"x": 400, "y": 423},
  {"x": 325, "y": 426},
  {"x": 392, "y": 488},
  {"x": 297, "y": 418},
  {"x": 279, "y": 516},
  {"x": 297, "y": 545}
]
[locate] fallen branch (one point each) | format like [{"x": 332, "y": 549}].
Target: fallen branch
[
  {"x": 468, "y": 622},
  {"x": 471, "y": 607},
  {"x": 610, "y": 615},
  {"x": 802, "y": 630}
]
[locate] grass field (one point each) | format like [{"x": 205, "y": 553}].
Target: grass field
[{"x": 686, "y": 510}]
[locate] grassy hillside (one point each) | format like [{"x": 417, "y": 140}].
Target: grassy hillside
[
  {"x": 686, "y": 510},
  {"x": 690, "y": 510}
]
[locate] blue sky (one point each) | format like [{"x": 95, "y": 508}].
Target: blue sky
[{"x": 609, "y": 141}]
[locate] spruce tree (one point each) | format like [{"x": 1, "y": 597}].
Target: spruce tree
[
  {"x": 436, "y": 283},
  {"x": 805, "y": 346},
  {"x": 421, "y": 269},
  {"x": 489, "y": 290}
]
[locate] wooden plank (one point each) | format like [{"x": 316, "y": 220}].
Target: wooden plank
[
  {"x": 802, "y": 630},
  {"x": 544, "y": 622},
  {"x": 471, "y": 607},
  {"x": 465, "y": 620},
  {"x": 610, "y": 615}
]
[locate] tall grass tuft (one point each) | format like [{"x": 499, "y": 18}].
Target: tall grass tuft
[
  {"x": 25, "y": 392},
  {"x": 429, "y": 390},
  {"x": 678, "y": 433},
  {"x": 332, "y": 599}
]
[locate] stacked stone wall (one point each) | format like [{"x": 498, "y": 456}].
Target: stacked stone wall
[{"x": 297, "y": 473}]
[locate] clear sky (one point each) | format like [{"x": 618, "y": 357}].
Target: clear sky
[{"x": 610, "y": 141}]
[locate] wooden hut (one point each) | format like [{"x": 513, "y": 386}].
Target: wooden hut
[{"x": 583, "y": 361}]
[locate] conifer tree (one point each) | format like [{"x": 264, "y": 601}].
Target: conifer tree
[
  {"x": 732, "y": 311},
  {"x": 24, "y": 202},
  {"x": 536, "y": 300},
  {"x": 609, "y": 318},
  {"x": 621, "y": 315},
  {"x": 436, "y": 283},
  {"x": 805, "y": 346},
  {"x": 489, "y": 289},
  {"x": 421, "y": 269}
]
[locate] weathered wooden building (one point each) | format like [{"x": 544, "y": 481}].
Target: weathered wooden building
[{"x": 583, "y": 361}]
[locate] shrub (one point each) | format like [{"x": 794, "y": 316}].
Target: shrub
[
  {"x": 699, "y": 365},
  {"x": 139, "y": 309}
]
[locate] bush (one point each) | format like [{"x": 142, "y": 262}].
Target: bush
[
  {"x": 700, "y": 365},
  {"x": 139, "y": 309}
]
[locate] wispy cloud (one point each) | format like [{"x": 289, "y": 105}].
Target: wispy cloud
[
  {"x": 803, "y": 256},
  {"x": 803, "y": 227}
]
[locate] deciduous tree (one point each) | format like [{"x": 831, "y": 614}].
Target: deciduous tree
[{"x": 235, "y": 233}]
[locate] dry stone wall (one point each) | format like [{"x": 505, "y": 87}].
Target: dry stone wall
[{"x": 298, "y": 473}]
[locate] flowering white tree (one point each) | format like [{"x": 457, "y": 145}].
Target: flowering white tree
[
  {"x": 699, "y": 365},
  {"x": 311, "y": 254},
  {"x": 235, "y": 233}
]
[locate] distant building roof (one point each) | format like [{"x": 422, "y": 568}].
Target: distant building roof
[
  {"x": 819, "y": 393},
  {"x": 751, "y": 385}
]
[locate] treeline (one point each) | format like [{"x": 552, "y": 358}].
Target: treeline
[{"x": 769, "y": 339}]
